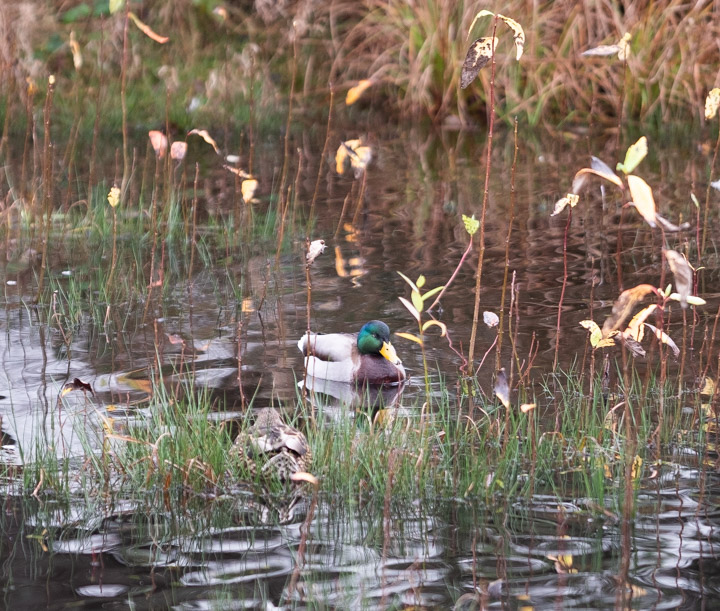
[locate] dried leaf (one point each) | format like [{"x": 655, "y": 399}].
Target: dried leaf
[
  {"x": 237, "y": 171},
  {"x": 491, "y": 319},
  {"x": 145, "y": 29},
  {"x": 518, "y": 35},
  {"x": 354, "y": 93},
  {"x": 410, "y": 307},
  {"x": 636, "y": 350},
  {"x": 248, "y": 188},
  {"x": 360, "y": 159},
  {"x": 410, "y": 336},
  {"x": 622, "y": 48},
  {"x": 571, "y": 199},
  {"x": 203, "y": 133},
  {"x": 316, "y": 248},
  {"x": 712, "y": 102},
  {"x": 343, "y": 154},
  {"x": 114, "y": 197},
  {"x": 159, "y": 142},
  {"x": 668, "y": 226},
  {"x": 683, "y": 274},
  {"x": 178, "y": 150},
  {"x": 642, "y": 198},
  {"x": 635, "y": 154},
  {"x": 664, "y": 338},
  {"x": 502, "y": 390},
  {"x": 478, "y": 55},
  {"x": 471, "y": 224},
  {"x": 76, "y": 384},
  {"x": 635, "y": 327},
  {"x": 624, "y": 305},
  {"x": 526, "y": 407},
  {"x": 482, "y": 13},
  {"x": 595, "y": 333},
  {"x": 76, "y": 52},
  {"x": 304, "y": 476},
  {"x": 598, "y": 168}
]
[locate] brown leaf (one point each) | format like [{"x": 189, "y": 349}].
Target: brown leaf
[
  {"x": 518, "y": 35},
  {"x": 502, "y": 389},
  {"x": 624, "y": 305},
  {"x": 643, "y": 198},
  {"x": 635, "y": 327},
  {"x": 178, "y": 150},
  {"x": 478, "y": 55},
  {"x": 77, "y": 384},
  {"x": 683, "y": 274},
  {"x": 632, "y": 345},
  {"x": 345, "y": 150}
]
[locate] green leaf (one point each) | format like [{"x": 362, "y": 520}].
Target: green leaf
[
  {"x": 432, "y": 292},
  {"x": 635, "y": 154},
  {"x": 115, "y": 5},
  {"x": 76, "y": 13},
  {"x": 417, "y": 301},
  {"x": 471, "y": 224}
]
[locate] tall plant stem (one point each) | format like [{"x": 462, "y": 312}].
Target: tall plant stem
[
  {"x": 707, "y": 196},
  {"x": 47, "y": 182},
  {"x": 481, "y": 255},
  {"x": 322, "y": 160},
  {"x": 562, "y": 291},
  {"x": 123, "y": 103}
]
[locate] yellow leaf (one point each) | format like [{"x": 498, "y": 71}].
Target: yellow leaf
[
  {"x": 526, "y": 407},
  {"x": 411, "y": 308},
  {"x": 623, "y": 306},
  {"x": 203, "y": 133},
  {"x": 417, "y": 301},
  {"x": 114, "y": 197},
  {"x": 571, "y": 199},
  {"x": 75, "y": 50},
  {"x": 642, "y": 198},
  {"x": 413, "y": 286},
  {"x": 248, "y": 188},
  {"x": 435, "y": 323},
  {"x": 471, "y": 224},
  {"x": 712, "y": 102},
  {"x": 599, "y": 168},
  {"x": 595, "y": 333},
  {"x": 145, "y": 29},
  {"x": 635, "y": 154},
  {"x": 115, "y": 6},
  {"x": 410, "y": 336},
  {"x": 354, "y": 93},
  {"x": 420, "y": 282},
  {"x": 634, "y": 328},
  {"x": 518, "y": 35}
]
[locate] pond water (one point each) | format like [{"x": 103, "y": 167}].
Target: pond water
[{"x": 240, "y": 550}]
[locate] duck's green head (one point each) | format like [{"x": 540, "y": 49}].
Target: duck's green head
[{"x": 374, "y": 338}]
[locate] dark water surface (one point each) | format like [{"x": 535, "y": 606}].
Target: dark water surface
[{"x": 239, "y": 551}]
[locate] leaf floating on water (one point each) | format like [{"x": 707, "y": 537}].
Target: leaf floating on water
[
  {"x": 354, "y": 93},
  {"x": 571, "y": 199},
  {"x": 712, "y": 102},
  {"x": 624, "y": 305},
  {"x": 643, "y": 198},
  {"x": 478, "y": 55},
  {"x": 502, "y": 389},
  {"x": 491, "y": 319},
  {"x": 147, "y": 30},
  {"x": 159, "y": 142},
  {"x": 664, "y": 338},
  {"x": 203, "y": 133},
  {"x": 178, "y": 150},
  {"x": 635, "y": 154},
  {"x": 599, "y": 168},
  {"x": 471, "y": 224},
  {"x": 683, "y": 274},
  {"x": 316, "y": 248}
]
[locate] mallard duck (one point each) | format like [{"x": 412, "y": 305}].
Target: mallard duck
[
  {"x": 364, "y": 357},
  {"x": 272, "y": 446}
]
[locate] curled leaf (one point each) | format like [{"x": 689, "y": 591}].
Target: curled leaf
[
  {"x": 635, "y": 326},
  {"x": 712, "y": 102},
  {"x": 248, "y": 187},
  {"x": 643, "y": 198},
  {"x": 178, "y": 150},
  {"x": 413, "y": 286},
  {"x": 478, "y": 55},
  {"x": 147, "y": 30},
  {"x": 668, "y": 226},
  {"x": 502, "y": 389},
  {"x": 598, "y": 168},
  {"x": 635, "y": 154},
  {"x": 595, "y": 333},
  {"x": 237, "y": 171},
  {"x": 631, "y": 344},
  {"x": 203, "y": 133},
  {"x": 315, "y": 249},
  {"x": 354, "y": 93},
  {"x": 518, "y": 35},
  {"x": 435, "y": 323},
  {"x": 664, "y": 338},
  {"x": 527, "y": 407},
  {"x": 571, "y": 199},
  {"x": 683, "y": 274},
  {"x": 159, "y": 142},
  {"x": 622, "y": 48},
  {"x": 624, "y": 305},
  {"x": 356, "y": 153},
  {"x": 491, "y": 319}
]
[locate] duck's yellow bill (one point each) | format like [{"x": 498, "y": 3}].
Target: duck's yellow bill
[{"x": 388, "y": 351}]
